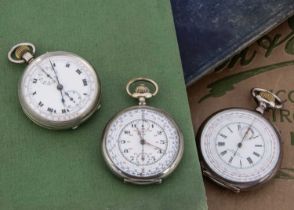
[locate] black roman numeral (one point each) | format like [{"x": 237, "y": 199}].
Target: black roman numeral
[
  {"x": 256, "y": 154},
  {"x": 40, "y": 104},
  {"x": 67, "y": 65},
  {"x": 85, "y": 82},
  {"x": 221, "y": 144},
  {"x": 35, "y": 81},
  {"x": 78, "y": 71},
  {"x": 50, "y": 109},
  {"x": 230, "y": 129},
  {"x": 222, "y": 135},
  {"x": 249, "y": 160},
  {"x": 223, "y": 153},
  {"x": 258, "y": 145}
]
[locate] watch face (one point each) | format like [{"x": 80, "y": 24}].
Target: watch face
[
  {"x": 142, "y": 142},
  {"x": 59, "y": 87},
  {"x": 240, "y": 146}
]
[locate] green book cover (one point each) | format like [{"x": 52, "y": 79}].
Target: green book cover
[{"x": 45, "y": 169}]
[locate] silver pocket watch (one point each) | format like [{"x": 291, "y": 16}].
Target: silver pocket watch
[
  {"x": 239, "y": 148},
  {"x": 142, "y": 144},
  {"x": 58, "y": 90}
]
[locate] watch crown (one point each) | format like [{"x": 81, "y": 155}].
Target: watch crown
[
  {"x": 141, "y": 89},
  {"x": 266, "y": 99},
  {"x": 268, "y": 96},
  {"x": 21, "y": 50}
]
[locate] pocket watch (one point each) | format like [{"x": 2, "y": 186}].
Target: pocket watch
[
  {"x": 241, "y": 149},
  {"x": 142, "y": 144},
  {"x": 58, "y": 90}
]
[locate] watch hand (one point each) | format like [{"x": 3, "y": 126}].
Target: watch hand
[
  {"x": 239, "y": 145},
  {"x": 143, "y": 141},
  {"x": 140, "y": 134},
  {"x": 59, "y": 86},
  {"x": 156, "y": 147},
  {"x": 48, "y": 75},
  {"x": 70, "y": 98},
  {"x": 52, "y": 67},
  {"x": 142, "y": 152}
]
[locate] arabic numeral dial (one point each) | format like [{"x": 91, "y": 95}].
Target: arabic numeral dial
[{"x": 142, "y": 142}]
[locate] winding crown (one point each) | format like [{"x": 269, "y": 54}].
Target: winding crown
[
  {"x": 21, "y": 50},
  {"x": 142, "y": 89}
]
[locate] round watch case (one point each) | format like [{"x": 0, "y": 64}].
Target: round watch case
[
  {"x": 229, "y": 184},
  {"x": 24, "y": 53},
  {"x": 265, "y": 100},
  {"x": 136, "y": 179},
  {"x": 134, "y": 171}
]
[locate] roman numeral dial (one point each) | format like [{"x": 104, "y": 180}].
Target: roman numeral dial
[
  {"x": 239, "y": 145},
  {"x": 60, "y": 87},
  {"x": 235, "y": 140}
]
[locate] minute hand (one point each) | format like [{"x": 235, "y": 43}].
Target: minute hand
[
  {"x": 59, "y": 86},
  {"x": 156, "y": 147},
  {"x": 240, "y": 143}
]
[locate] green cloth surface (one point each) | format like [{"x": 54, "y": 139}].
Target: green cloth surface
[{"x": 42, "y": 169}]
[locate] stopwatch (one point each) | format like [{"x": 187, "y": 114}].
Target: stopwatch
[
  {"x": 58, "y": 90},
  {"x": 142, "y": 144},
  {"x": 240, "y": 149}
]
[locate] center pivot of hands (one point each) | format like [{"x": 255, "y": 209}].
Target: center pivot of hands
[
  {"x": 59, "y": 87},
  {"x": 142, "y": 141},
  {"x": 239, "y": 145}
]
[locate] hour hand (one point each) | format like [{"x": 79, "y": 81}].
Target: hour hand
[{"x": 47, "y": 75}]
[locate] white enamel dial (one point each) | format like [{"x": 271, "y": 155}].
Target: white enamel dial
[
  {"x": 240, "y": 145},
  {"x": 142, "y": 142},
  {"x": 59, "y": 87}
]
